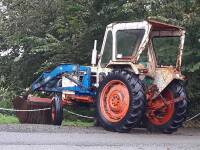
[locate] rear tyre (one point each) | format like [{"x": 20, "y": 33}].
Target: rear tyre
[
  {"x": 120, "y": 101},
  {"x": 173, "y": 116},
  {"x": 56, "y": 111}
]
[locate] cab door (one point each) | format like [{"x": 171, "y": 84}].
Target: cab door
[{"x": 107, "y": 50}]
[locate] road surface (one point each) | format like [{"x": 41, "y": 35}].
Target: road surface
[{"x": 47, "y": 137}]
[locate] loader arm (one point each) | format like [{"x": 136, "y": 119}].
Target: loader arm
[{"x": 82, "y": 86}]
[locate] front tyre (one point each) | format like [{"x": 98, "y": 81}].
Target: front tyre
[
  {"x": 56, "y": 111},
  {"x": 120, "y": 101}
]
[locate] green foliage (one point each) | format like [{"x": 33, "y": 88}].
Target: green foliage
[
  {"x": 5, "y": 97},
  {"x": 166, "y": 50},
  {"x": 6, "y": 119}
]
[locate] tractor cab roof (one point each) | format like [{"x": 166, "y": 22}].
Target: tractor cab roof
[{"x": 155, "y": 25}]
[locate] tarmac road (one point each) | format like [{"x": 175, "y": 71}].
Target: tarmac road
[{"x": 47, "y": 137}]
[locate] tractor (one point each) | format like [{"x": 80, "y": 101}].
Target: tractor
[{"x": 126, "y": 82}]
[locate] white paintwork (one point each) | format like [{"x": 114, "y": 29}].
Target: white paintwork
[
  {"x": 94, "y": 54},
  {"x": 144, "y": 41},
  {"x": 182, "y": 41},
  {"x": 67, "y": 83}
]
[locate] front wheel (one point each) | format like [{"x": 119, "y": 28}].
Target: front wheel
[
  {"x": 167, "y": 112},
  {"x": 56, "y": 111},
  {"x": 120, "y": 101}
]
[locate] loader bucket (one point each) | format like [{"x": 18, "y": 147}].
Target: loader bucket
[{"x": 37, "y": 117}]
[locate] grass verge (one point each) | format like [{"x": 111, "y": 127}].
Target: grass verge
[
  {"x": 11, "y": 119},
  {"x": 7, "y": 119}
]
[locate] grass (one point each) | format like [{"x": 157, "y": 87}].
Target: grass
[
  {"x": 7, "y": 119},
  {"x": 71, "y": 120},
  {"x": 77, "y": 123},
  {"x": 11, "y": 119}
]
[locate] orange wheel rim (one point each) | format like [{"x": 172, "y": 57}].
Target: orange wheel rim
[
  {"x": 114, "y": 101},
  {"x": 164, "y": 114}
]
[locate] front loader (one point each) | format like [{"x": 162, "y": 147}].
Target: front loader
[{"x": 128, "y": 85}]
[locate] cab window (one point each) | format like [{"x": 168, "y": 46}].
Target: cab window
[
  {"x": 107, "y": 53},
  {"x": 144, "y": 57},
  {"x": 128, "y": 41},
  {"x": 166, "y": 48}
]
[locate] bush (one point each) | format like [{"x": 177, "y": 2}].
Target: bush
[{"x": 6, "y": 97}]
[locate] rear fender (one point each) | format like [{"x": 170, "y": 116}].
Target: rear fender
[{"x": 164, "y": 76}]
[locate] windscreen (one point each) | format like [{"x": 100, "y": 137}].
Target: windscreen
[{"x": 128, "y": 41}]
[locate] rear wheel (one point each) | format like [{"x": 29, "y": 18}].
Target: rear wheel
[
  {"x": 168, "y": 111},
  {"x": 120, "y": 101},
  {"x": 56, "y": 111}
]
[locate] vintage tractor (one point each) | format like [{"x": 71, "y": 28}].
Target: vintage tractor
[{"x": 128, "y": 85}]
